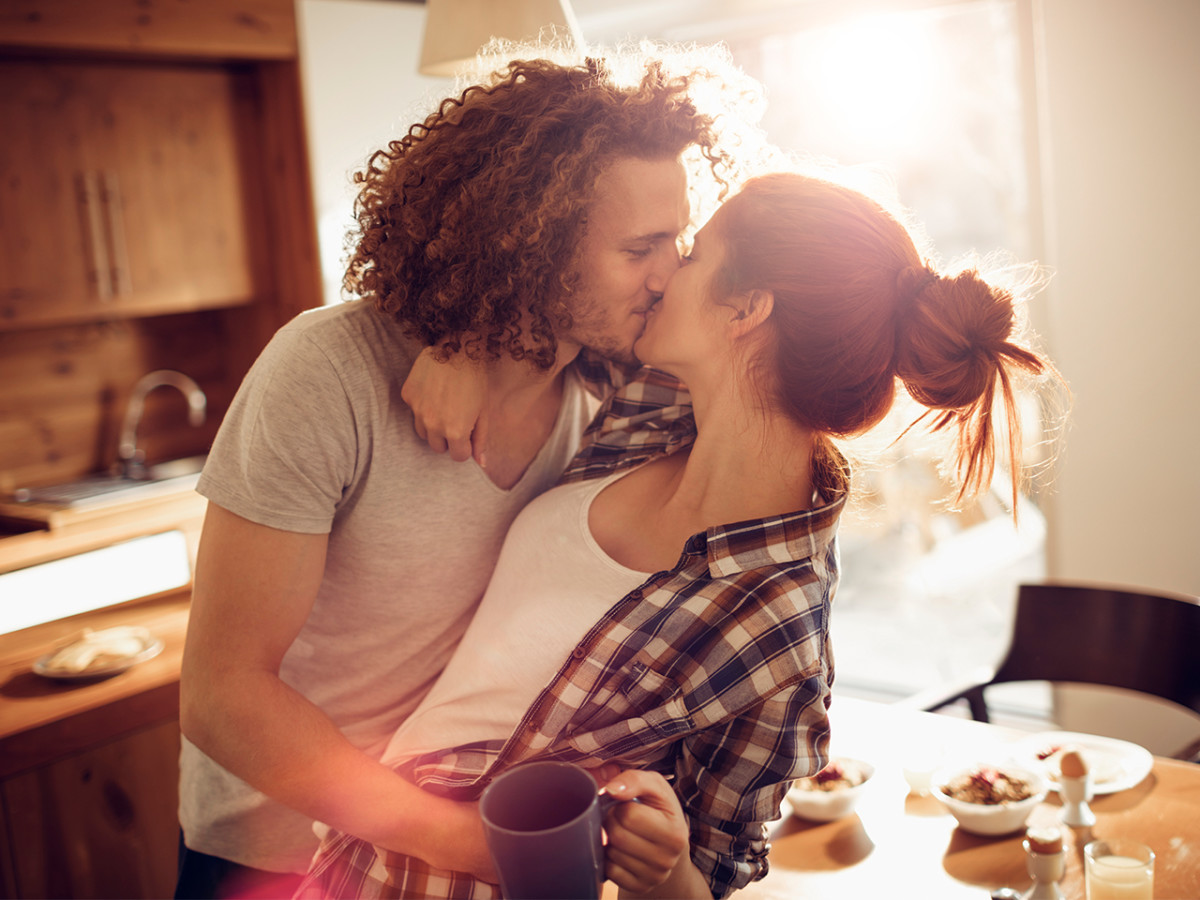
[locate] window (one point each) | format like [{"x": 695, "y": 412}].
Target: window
[{"x": 932, "y": 99}]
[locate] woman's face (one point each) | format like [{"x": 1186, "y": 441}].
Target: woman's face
[{"x": 685, "y": 327}]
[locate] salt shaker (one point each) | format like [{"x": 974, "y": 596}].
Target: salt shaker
[
  {"x": 1075, "y": 788},
  {"x": 1045, "y": 861}
]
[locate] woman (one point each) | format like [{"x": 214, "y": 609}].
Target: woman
[{"x": 801, "y": 308}]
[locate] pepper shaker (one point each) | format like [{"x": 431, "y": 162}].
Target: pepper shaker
[
  {"x": 1075, "y": 788},
  {"x": 1045, "y": 861}
]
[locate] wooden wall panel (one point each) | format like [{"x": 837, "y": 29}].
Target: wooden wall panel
[
  {"x": 65, "y": 392},
  {"x": 277, "y": 162}
]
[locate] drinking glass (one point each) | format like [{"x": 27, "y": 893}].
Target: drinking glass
[{"x": 1118, "y": 869}]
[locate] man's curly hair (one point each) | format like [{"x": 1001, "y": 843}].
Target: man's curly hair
[{"x": 468, "y": 226}]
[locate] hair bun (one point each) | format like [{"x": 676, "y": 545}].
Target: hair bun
[
  {"x": 949, "y": 353},
  {"x": 911, "y": 281}
]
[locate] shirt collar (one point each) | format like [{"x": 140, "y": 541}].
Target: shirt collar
[{"x": 773, "y": 541}]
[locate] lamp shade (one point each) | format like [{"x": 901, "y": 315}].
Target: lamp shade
[{"x": 455, "y": 30}]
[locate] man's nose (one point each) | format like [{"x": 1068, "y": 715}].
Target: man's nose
[{"x": 664, "y": 267}]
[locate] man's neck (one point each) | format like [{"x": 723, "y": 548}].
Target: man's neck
[{"x": 513, "y": 384}]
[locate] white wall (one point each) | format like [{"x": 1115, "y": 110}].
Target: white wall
[
  {"x": 1123, "y": 134},
  {"x": 359, "y": 63}
]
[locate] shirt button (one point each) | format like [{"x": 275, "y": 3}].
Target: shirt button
[
  {"x": 579, "y": 653},
  {"x": 635, "y": 594}
]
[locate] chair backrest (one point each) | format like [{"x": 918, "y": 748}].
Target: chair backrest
[{"x": 1106, "y": 636}]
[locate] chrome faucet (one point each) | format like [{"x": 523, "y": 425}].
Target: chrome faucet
[{"x": 130, "y": 458}]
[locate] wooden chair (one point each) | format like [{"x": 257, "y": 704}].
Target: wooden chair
[{"x": 1096, "y": 635}]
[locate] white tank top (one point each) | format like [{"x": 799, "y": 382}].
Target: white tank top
[{"x": 551, "y": 584}]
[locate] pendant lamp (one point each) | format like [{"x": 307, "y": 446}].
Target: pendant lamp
[{"x": 456, "y": 29}]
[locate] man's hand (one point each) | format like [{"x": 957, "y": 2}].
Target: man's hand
[
  {"x": 647, "y": 840},
  {"x": 449, "y": 404}
]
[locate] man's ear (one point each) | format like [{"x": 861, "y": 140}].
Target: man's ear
[{"x": 750, "y": 310}]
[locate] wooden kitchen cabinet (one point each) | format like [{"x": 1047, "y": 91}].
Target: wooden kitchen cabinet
[
  {"x": 140, "y": 165},
  {"x": 89, "y": 770},
  {"x": 39, "y": 265},
  {"x": 8, "y": 881},
  {"x": 98, "y": 824},
  {"x": 155, "y": 212}
]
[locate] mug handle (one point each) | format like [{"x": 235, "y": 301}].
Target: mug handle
[{"x": 608, "y": 801}]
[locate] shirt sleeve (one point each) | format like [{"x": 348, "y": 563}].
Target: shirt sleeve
[
  {"x": 270, "y": 463},
  {"x": 732, "y": 780},
  {"x": 649, "y": 415}
]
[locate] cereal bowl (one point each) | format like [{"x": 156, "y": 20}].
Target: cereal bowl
[
  {"x": 833, "y": 792},
  {"x": 990, "y": 799}
]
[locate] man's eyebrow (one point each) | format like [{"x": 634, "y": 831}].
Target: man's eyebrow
[{"x": 655, "y": 236}]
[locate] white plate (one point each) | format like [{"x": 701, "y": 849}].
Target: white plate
[
  {"x": 1115, "y": 765},
  {"x": 151, "y": 647}
]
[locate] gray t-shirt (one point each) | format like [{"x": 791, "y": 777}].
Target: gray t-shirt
[{"x": 319, "y": 441}]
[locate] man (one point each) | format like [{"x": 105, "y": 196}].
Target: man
[{"x": 534, "y": 217}]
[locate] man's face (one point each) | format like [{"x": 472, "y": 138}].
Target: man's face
[{"x": 629, "y": 251}]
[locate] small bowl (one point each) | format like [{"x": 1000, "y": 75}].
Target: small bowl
[
  {"x": 1004, "y": 817},
  {"x": 837, "y": 798}
]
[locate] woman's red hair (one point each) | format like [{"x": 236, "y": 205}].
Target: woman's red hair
[{"x": 857, "y": 311}]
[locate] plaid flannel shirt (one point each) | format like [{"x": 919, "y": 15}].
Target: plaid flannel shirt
[{"x": 716, "y": 671}]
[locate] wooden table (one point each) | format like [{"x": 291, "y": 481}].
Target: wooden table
[{"x": 898, "y": 844}]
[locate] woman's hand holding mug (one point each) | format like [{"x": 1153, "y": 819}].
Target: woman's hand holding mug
[{"x": 647, "y": 839}]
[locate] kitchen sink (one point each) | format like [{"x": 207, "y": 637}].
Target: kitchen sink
[{"x": 97, "y": 490}]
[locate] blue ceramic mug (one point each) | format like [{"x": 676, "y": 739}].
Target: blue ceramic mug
[{"x": 543, "y": 824}]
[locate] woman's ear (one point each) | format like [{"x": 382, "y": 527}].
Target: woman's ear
[{"x": 750, "y": 310}]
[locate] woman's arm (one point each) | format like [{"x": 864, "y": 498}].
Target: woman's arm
[
  {"x": 449, "y": 404},
  {"x": 731, "y": 779},
  {"x": 254, "y": 588}
]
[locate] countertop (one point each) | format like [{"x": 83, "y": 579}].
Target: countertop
[
  {"x": 25, "y": 544},
  {"x": 42, "y": 720}
]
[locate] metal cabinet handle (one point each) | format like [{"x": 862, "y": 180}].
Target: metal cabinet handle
[
  {"x": 89, "y": 195},
  {"x": 111, "y": 193}
]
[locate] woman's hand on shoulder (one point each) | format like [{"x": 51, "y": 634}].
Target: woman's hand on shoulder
[
  {"x": 647, "y": 840},
  {"x": 449, "y": 403}
]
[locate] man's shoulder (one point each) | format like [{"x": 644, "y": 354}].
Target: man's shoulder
[
  {"x": 343, "y": 316},
  {"x": 353, "y": 329}
]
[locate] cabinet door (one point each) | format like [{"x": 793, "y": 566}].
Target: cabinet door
[
  {"x": 121, "y": 191},
  {"x": 8, "y": 882},
  {"x": 170, "y": 183},
  {"x": 51, "y": 229},
  {"x": 100, "y": 824}
]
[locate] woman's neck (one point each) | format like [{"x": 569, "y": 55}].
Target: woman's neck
[
  {"x": 744, "y": 464},
  {"x": 748, "y": 460}
]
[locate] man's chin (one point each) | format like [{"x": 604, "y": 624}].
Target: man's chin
[{"x": 622, "y": 356}]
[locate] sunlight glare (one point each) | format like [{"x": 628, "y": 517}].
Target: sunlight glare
[{"x": 877, "y": 79}]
